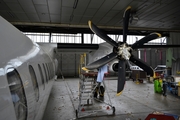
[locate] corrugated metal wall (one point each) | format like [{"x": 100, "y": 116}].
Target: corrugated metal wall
[
  {"x": 154, "y": 57},
  {"x": 175, "y": 39},
  {"x": 69, "y": 64}
]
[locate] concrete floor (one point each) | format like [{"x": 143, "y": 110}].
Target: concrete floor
[{"x": 135, "y": 103}]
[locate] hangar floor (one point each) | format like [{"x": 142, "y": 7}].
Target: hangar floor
[{"x": 135, "y": 103}]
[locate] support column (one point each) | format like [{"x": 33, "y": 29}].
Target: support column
[
  {"x": 116, "y": 38},
  {"x": 82, "y": 38},
  {"x": 92, "y": 36},
  {"x": 50, "y": 37},
  {"x": 169, "y": 57}
]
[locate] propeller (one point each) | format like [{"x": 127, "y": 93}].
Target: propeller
[{"x": 122, "y": 51}]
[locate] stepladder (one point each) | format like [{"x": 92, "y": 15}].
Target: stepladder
[{"x": 94, "y": 99}]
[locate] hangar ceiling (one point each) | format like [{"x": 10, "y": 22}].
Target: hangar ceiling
[{"x": 64, "y": 16}]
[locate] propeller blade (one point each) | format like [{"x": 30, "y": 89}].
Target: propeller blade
[
  {"x": 100, "y": 62},
  {"x": 101, "y": 34},
  {"x": 142, "y": 65},
  {"x": 145, "y": 39},
  {"x": 121, "y": 76},
  {"x": 126, "y": 22}
]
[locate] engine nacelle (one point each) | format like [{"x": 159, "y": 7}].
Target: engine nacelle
[{"x": 113, "y": 66}]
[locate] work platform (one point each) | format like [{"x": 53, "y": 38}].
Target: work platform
[
  {"x": 94, "y": 99},
  {"x": 135, "y": 103}
]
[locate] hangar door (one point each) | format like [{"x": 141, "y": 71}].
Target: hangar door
[
  {"x": 69, "y": 64},
  {"x": 154, "y": 57}
]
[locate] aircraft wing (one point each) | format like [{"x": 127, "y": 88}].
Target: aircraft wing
[{"x": 75, "y": 47}]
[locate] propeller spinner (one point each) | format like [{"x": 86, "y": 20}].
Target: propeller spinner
[{"x": 122, "y": 51}]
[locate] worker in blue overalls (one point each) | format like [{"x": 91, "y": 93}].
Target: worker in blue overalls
[{"x": 100, "y": 89}]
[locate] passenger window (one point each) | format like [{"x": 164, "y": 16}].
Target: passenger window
[
  {"x": 45, "y": 73},
  {"x": 53, "y": 72},
  {"x": 34, "y": 82},
  {"x": 17, "y": 94},
  {"x": 51, "y": 69},
  {"x": 41, "y": 74},
  {"x": 48, "y": 71}
]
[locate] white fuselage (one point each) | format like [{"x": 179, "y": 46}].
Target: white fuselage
[
  {"x": 136, "y": 68},
  {"x": 26, "y": 64}
]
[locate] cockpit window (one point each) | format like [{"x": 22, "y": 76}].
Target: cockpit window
[
  {"x": 17, "y": 93},
  {"x": 34, "y": 82}
]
